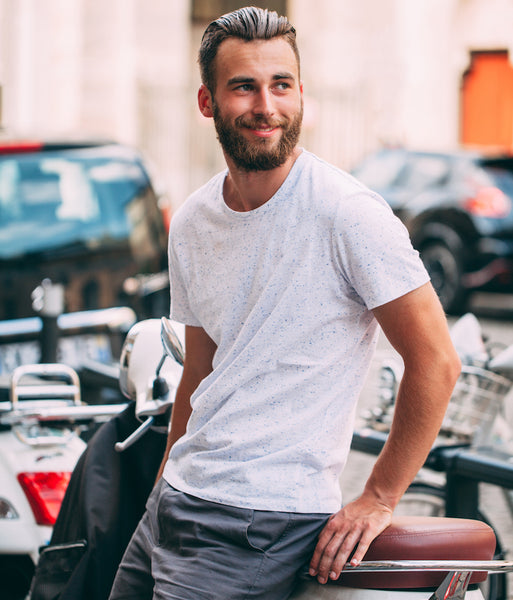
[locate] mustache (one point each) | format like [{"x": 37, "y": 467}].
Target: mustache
[{"x": 255, "y": 123}]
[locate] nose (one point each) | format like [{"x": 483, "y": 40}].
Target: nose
[{"x": 264, "y": 102}]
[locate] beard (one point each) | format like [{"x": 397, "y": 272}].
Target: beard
[{"x": 261, "y": 154}]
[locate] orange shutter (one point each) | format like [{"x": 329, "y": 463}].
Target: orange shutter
[{"x": 487, "y": 101}]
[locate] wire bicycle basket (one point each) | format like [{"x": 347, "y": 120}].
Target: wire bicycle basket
[{"x": 475, "y": 403}]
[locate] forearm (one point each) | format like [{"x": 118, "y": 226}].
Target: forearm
[
  {"x": 179, "y": 419},
  {"x": 199, "y": 353},
  {"x": 417, "y": 328},
  {"x": 420, "y": 407}
]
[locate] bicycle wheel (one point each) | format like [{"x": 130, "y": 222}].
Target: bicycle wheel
[{"x": 427, "y": 499}]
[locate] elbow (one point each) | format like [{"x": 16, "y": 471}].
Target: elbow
[{"x": 451, "y": 367}]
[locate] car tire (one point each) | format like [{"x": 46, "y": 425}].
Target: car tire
[
  {"x": 445, "y": 266},
  {"x": 16, "y": 572}
]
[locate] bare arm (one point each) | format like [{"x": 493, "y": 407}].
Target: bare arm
[
  {"x": 416, "y": 327},
  {"x": 199, "y": 352}
]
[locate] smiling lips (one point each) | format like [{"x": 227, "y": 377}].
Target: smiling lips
[
  {"x": 262, "y": 129},
  {"x": 263, "y": 132}
]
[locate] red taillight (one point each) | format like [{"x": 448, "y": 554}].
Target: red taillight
[
  {"x": 489, "y": 202},
  {"x": 167, "y": 213},
  {"x": 45, "y": 492},
  {"x": 15, "y": 146}
]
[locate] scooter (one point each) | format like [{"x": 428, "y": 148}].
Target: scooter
[
  {"x": 40, "y": 443},
  {"x": 111, "y": 482},
  {"x": 416, "y": 558}
]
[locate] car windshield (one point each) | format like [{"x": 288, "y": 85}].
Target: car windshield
[
  {"x": 381, "y": 171},
  {"x": 62, "y": 198}
]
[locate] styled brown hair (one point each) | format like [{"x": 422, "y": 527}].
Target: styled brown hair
[{"x": 249, "y": 23}]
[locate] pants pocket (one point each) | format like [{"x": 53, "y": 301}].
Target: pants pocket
[{"x": 266, "y": 530}]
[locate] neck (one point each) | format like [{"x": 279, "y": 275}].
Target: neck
[{"x": 246, "y": 190}]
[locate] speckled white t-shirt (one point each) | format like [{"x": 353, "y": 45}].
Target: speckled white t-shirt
[{"x": 286, "y": 292}]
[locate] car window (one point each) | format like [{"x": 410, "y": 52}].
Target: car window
[
  {"x": 380, "y": 171},
  {"x": 57, "y": 199},
  {"x": 425, "y": 171},
  {"x": 502, "y": 179}
]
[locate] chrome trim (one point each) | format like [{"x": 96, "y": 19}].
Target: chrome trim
[
  {"x": 71, "y": 390},
  {"x": 492, "y": 566}
]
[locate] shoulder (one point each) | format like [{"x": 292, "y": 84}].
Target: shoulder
[
  {"x": 198, "y": 204},
  {"x": 329, "y": 175},
  {"x": 337, "y": 193}
]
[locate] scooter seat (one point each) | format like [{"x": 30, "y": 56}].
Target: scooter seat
[{"x": 423, "y": 538}]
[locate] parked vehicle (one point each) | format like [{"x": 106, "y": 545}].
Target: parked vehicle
[
  {"x": 84, "y": 215},
  {"x": 40, "y": 443},
  {"x": 458, "y": 208},
  {"x": 414, "y": 559}
]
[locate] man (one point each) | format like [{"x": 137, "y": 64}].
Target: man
[{"x": 281, "y": 269}]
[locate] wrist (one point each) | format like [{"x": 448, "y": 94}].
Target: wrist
[{"x": 386, "y": 498}]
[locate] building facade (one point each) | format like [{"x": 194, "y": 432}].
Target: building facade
[{"x": 432, "y": 74}]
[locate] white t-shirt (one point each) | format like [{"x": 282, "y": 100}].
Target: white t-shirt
[{"x": 286, "y": 292}]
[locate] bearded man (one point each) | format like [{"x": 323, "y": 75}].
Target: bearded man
[{"x": 282, "y": 268}]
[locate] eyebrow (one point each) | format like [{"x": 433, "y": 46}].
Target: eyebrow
[{"x": 243, "y": 79}]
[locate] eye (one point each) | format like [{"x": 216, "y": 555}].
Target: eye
[
  {"x": 282, "y": 86},
  {"x": 245, "y": 87}
]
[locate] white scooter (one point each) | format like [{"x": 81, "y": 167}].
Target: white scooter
[
  {"x": 416, "y": 558},
  {"x": 39, "y": 446}
]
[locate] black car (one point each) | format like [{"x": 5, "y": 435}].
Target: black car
[
  {"x": 458, "y": 208},
  {"x": 84, "y": 215}
]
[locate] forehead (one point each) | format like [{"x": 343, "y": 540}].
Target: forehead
[{"x": 256, "y": 58}]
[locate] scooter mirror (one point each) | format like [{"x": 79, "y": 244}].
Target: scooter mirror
[
  {"x": 140, "y": 357},
  {"x": 142, "y": 364},
  {"x": 171, "y": 341}
]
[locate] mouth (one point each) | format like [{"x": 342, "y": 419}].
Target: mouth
[{"x": 263, "y": 132}]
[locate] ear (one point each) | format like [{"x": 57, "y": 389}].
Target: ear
[{"x": 205, "y": 101}]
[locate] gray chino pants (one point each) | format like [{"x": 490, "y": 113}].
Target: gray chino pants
[{"x": 186, "y": 548}]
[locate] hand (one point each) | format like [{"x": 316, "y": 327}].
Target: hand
[{"x": 355, "y": 526}]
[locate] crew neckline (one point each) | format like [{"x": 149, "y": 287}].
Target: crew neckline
[{"x": 266, "y": 205}]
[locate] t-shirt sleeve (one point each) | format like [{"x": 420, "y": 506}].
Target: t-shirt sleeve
[
  {"x": 180, "y": 306},
  {"x": 376, "y": 256}
]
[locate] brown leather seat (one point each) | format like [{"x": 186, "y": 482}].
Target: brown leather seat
[{"x": 424, "y": 538}]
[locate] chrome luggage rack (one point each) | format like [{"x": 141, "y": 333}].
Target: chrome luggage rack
[{"x": 44, "y": 395}]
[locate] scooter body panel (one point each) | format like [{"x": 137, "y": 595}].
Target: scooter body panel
[
  {"x": 310, "y": 590},
  {"x": 20, "y": 534}
]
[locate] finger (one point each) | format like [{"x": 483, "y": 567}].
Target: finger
[
  {"x": 328, "y": 557},
  {"x": 361, "y": 549},
  {"x": 344, "y": 552},
  {"x": 324, "y": 539},
  {"x": 337, "y": 553}
]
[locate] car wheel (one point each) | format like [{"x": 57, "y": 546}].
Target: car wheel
[
  {"x": 445, "y": 267},
  {"x": 16, "y": 574}
]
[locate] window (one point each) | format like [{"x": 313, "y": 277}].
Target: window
[
  {"x": 425, "y": 171},
  {"x": 381, "y": 171},
  {"x": 54, "y": 200}
]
